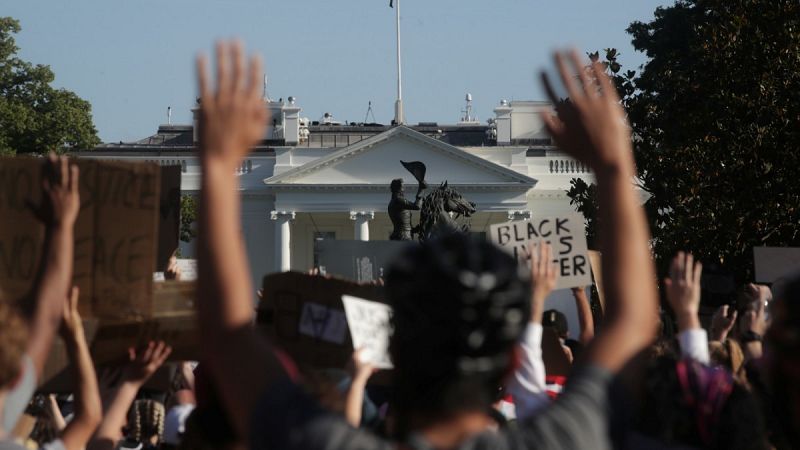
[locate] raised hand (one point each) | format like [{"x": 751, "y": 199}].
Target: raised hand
[
  {"x": 71, "y": 324},
  {"x": 61, "y": 198},
  {"x": 722, "y": 323},
  {"x": 755, "y": 320},
  {"x": 142, "y": 365},
  {"x": 173, "y": 271},
  {"x": 233, "y": 117},
  {"x": 590, "y": 125},
  {"x": 360, "y": 368},
  {"x": 543, "y": 278},
  {"x": 683, "y": 290}
]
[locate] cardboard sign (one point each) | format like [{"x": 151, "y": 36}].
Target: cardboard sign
[
  {"x": 188, "y": 268},
  {"x": 284, "y": 318},
  {"x": 772, "y": 263},
  {"x": 115, "y": 234},
  {"x": 173, "y": 321},
  {"x": 564, "y": 233},
  {"x": 370, "y": 328},
  {"x": 595, "y": 259},
  {"x": 324, "y": 323}
]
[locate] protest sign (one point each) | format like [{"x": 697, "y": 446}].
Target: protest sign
[
  {"x": 370, "y": 328},
  {"x": 772, "y": 263},
  {"x": 304, "y": 316},
  {"x": 188, "y": 268},
  {"x": 595, "y": 260},
  {"x": 115, "y": 234},
  {"x": 565, "y": 233},
  {"x": 173, "y": 321}
]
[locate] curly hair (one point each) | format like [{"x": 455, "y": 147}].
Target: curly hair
[
  {"x": 13, "y": 339},
  {"x": 146, "y": 419},
  {"x": 459, "y": 307}
]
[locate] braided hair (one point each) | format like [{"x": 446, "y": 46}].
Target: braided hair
[
  {"x": 146, "y": 419},
  {"x": 459, "y": 307}
]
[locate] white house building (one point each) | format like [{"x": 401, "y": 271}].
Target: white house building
[{"x": 323, "y": 180}]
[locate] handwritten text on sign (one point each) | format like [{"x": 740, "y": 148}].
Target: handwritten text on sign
[
  {"x": 369, "y": 329},
  {"x": 564, "y": 233}
]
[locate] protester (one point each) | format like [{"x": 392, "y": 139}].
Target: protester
[
  {"x": 88, "y": 410},
  {"x": 181, "y": 405},
  {"x": 459, "y": 306},
  {"x": 44, "y": 306},
  {"x": 528, "y": 385},
  {"x": 141, "y": 366}
]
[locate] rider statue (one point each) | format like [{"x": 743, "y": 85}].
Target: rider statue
[{"x": 400, "y": 210}]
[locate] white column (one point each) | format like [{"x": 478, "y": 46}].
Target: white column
[
  {"x": 283, "y": 248},
  {"x": 361, "y": 219},
  {"x": 519, "y": 215}
]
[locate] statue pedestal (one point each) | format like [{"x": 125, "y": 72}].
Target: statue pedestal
[{"x": 360, "y": 261}]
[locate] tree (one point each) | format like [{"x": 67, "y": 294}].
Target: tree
[
  {"x": 188, "y": 218},
  {"x": 715, "y": 113},
  {"x": 34, "y": 116}
]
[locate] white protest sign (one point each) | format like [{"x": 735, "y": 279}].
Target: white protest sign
[
  {"x": 369, "y": 329},
  {"x": 565, "y": 233},
  {"x": 773, "y": 263},
  {"x": 188, "y": 268},
  {"x": 324, "y": 323}
]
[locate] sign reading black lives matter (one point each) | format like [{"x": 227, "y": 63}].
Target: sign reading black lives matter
[{"x": 564, "y": 233}]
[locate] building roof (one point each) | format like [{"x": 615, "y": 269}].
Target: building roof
[{"x": 455, "y": 157}]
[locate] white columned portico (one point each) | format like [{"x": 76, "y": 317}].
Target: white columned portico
[
  {"x": 283, "y": 220},
  {"x": 519, "y": 215},
  {"x": 361, "y": 219}
]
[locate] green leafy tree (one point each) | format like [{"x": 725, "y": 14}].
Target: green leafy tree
[
  {"x": 188, "y": 218},
  {"x": 715, "y": 113},
  {"x": 34, "y": 116}
]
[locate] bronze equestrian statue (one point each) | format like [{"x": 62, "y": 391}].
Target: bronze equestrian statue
[{"x": 439, "y": 210}]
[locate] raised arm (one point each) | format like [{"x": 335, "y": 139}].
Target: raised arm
[
  {"x": 585, "y": 319},
  {"x": 591, "y": 128},
  {"x": 141, "y": 366},
  {"x": 232, "y": 120},
  {"x": 89, "y": 411},
  {"x": 59, "y": 211},
  {"x": 683, "y": 295},
  {"x": 527, "y": 385},
  {"x": 354, "y": 402}
]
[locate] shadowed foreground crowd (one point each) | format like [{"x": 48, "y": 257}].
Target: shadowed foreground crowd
[{"x": 467, "y": 330}]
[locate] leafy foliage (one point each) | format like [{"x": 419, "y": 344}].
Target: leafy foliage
[
  {"x": 34, "y": 116},
  {"x": 715, "y": 113},
  {"x": 188, "y": 218}
]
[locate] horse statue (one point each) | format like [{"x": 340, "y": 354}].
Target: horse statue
[{"x": 441, "y": 212}]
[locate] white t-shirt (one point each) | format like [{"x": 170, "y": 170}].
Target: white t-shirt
[{"x": 19, "y": 397}]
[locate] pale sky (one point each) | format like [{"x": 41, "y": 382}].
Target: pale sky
[{"x": 131, "y": 59}]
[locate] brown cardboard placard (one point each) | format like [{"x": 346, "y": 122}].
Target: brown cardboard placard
[
  {"x": 565, "y": 233},
  {"x": 291, "y": 300},
  {"x": 174, "y": 322},
  {"x": 115, "y": 234},
  {"x": 595, "y": 260}
]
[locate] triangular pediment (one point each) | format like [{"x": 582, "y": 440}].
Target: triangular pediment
[{"x": 376, "y": 161}]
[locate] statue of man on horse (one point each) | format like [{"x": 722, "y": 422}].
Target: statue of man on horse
[{"x": 441, "y": 211}]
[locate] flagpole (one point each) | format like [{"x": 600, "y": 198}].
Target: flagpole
[{"x": 399, "y": 118}]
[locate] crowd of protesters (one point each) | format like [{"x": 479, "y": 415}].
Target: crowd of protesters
[{"x": 467, "y": 330}]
